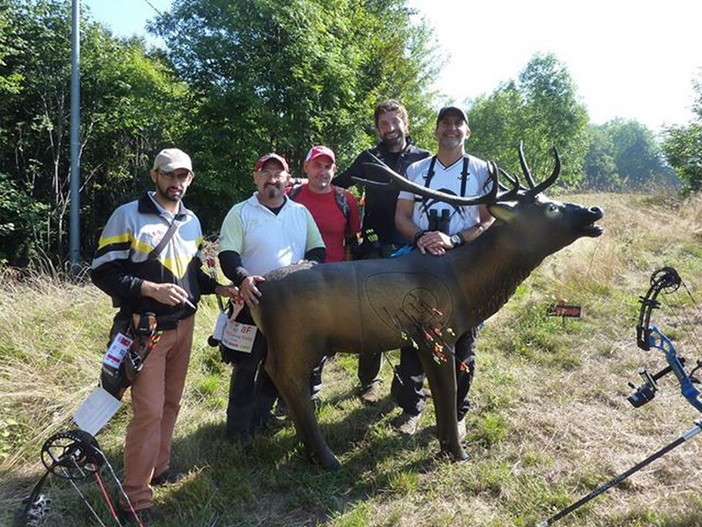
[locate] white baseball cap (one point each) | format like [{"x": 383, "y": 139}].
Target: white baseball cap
[{"x": 171, "y": 159}]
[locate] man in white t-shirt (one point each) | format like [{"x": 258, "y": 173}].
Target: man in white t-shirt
[
  {"x": 263, "y": 233},
  {"x": 436, "y": 227}
]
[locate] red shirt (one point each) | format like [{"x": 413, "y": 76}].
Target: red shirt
[{"x": 330, "y": 219}]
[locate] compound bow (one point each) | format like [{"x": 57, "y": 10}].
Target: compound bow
[{"x": 665, "y": 280}]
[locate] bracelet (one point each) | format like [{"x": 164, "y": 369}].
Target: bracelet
[{"x": 418, "y": 235}]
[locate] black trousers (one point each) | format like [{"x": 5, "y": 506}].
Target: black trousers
[
  {"x": 409, "y": 394},
  {"x": 369, "y": 363},
  {"x": 252, "y": 393},
  {"x": 251, "y": 390}
]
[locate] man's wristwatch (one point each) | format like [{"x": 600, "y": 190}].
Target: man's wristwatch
[{"x": 456, "y": 240}]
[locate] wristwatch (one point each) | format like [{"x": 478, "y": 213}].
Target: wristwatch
[{"x": 456, "y": 240}]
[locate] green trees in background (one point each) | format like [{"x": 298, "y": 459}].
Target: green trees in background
[
  {"x": 683, "y": 146},
  {"x": 243, "y": 77},
  {"x": 625, "y": 155},
  {"x": 281, "y": 76},
  {"x": 129, "y": 107},
  {"x": 541, "y": 109}
]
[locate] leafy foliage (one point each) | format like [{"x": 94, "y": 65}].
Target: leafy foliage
[
  {"x": 541, "y": 109},
  {"x": 625, "y": 155},
  {"x": 270, "y": 76},
  {"x": 129, "y": 109},
  {"x": 683, "y": 146},
  {"x": 20, "y": 217}
]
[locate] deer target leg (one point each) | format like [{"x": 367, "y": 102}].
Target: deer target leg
[
  {"x": 442, "y": 381},
  {"x": 291, "y": 371}
]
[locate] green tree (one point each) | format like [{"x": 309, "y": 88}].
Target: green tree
[
  {"x": 682, "y": 146},
  {"x": 267, "y": 75},
  {"x": 129, "y": 109},
  {"x": 600, "y": 167},
  {"x": 541, "y": 109},
  {"x": 637, "y": 155},
  {"x": 8, "y": 82}
]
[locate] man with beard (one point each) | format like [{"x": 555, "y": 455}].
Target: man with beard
[
  {"x": 435, "y": 227},
  {"x": 263, "y": 233},
  {"x": 148, "y": 260},
  {"x": 380, "y": 238}
]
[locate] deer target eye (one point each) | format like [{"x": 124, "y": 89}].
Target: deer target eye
[{"x": 552, "y": 211}]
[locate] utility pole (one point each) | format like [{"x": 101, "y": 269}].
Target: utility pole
[{"x": 74, "y": 232}]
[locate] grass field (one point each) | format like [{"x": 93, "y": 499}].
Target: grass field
[{"x": 549, "y": 421}]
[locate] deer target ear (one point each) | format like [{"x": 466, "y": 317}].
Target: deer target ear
[{"x": 502, "y": 212}]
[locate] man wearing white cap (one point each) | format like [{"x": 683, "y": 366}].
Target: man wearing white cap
[
  {"x": 148, "y": 261},
  {"x": 436, "y": 228}
]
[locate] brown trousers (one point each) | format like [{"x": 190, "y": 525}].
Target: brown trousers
[{"x": 156, "y": 395}]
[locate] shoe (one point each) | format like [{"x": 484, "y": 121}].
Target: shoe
[
  {"x": 280, "y": 411},
  {"x": 370, "y": 394},
  {"x": 167, "y": 477},
  {"x": 407, "y": 424},
  {"x": 240, "y": 438},
  {"x": 461, "y": 429},
  {"x": 267, "y": 424},
  {"x": 149, "y": 516}
]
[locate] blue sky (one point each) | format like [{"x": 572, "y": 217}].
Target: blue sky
[{"x": 629, "y": 59}]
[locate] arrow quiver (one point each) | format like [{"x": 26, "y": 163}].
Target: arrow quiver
[{"x": 129, "y": 345}]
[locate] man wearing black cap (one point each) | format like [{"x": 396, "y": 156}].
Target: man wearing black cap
[
  {"x": 380, "y": 238},
  {"x": 263, "y": 233},
  {"x": 435, "y": 227}
]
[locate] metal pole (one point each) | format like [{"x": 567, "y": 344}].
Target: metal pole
[{"x": 74, "y": 232}]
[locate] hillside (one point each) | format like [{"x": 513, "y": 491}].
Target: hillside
[{"x": 549, "y": 421}]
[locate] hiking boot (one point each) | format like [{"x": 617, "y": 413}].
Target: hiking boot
[
  {"x": 370, "y": 394},
  {"x": 240, "y": 438},
  {"x": 147, "y": 517},
  {"x": 461, "y": 429},
  {"x": 407, "y": 424},
  {"x": 167, "y": 477}
]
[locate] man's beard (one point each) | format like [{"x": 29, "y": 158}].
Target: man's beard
[
  {"x": 167, "y": 196},
  {"x": 393, "y": 141},
  {"x": 272, "y": 191}
]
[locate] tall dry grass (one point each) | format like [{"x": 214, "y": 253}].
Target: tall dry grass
[{"x": 549, "y": 423}]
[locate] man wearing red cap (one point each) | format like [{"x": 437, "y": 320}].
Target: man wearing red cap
[
  {"x": 334, "y": 209},
  {"x": 148, "y": 261},
  {"x": 263, "y": 233}
]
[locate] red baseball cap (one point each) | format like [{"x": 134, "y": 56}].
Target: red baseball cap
[
  {"x": 264, "y": 159},
  {"x": 319, "y": 151}
]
